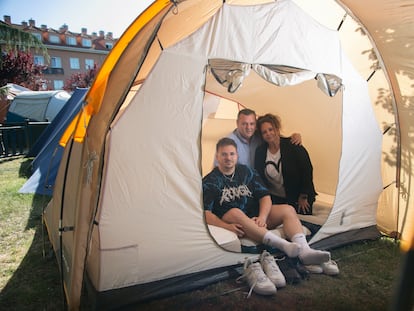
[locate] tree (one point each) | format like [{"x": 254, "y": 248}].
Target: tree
[
  {"x": 81, "y": 79},
  {"x": 15, "y": 39},
  {"x": 16, "y": 62},
  {"x": 18, "y": 67}
]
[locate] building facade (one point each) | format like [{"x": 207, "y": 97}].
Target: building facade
[{"x": 70, "y": 53}]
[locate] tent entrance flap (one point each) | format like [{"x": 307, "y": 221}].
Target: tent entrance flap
[{"x": 231, "y": 75}]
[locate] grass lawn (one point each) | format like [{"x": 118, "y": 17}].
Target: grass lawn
[{"x": 29, "y": 277}]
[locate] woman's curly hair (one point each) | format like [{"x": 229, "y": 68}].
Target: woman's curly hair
[{"x": 270, "y": 118}]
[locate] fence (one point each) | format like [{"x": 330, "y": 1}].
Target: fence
[{"x": 18, "y": 138}]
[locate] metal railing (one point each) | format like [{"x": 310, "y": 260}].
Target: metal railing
[{"x": 17, "y": 138}]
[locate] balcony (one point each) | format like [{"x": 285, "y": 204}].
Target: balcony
[{"x": 53, "y": 71}]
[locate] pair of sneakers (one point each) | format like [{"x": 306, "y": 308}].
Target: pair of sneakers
[{"x": 263, "y": 276}]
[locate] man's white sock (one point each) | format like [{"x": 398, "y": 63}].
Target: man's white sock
[
  {"x": 291, "y": 249},
  {"x": 307, "y": 255},
  {"x": 300, "y": 238}
]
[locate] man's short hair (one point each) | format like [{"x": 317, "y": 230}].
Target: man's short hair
[
  {"x": 225, "y": 141},
  {"x": 246, "y": 112}
]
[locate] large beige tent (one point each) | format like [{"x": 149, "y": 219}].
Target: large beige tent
[{"x": 127, "y": 200}]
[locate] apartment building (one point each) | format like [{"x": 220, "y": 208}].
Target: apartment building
[{"x": 69, "y": 52}]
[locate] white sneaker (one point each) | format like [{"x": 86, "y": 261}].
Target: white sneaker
[
  {"x": 330, "y": 268},
  {"x": 316, "y": 269},
  {"x": 257, "y": 279},
  {"x": 271, "y": 269}
]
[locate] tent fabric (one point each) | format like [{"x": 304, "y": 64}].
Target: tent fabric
[
  {"x": 59, "y": 123},
  {"x": 160, "y": 289},
  {"x": 117, "y": 196},
  {"x": 10, "y": 90},
  {"x": 36, "y": 105},
  {"x": 390, "y": 27},
  {"x": 13, "y": 90},
  {"x": 47, "y": 151},
  {"x": 99, "y": 84}
]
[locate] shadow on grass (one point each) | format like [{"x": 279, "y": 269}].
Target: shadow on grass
[
  {"x": 35, "y": 285},
  {"x": 25, "y": 169}
]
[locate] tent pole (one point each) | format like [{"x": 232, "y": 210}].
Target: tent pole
[
  {"x": 342, "y": 21},
  {"x": 61, "y": 229},
  {"x": 371, "y": 75}
]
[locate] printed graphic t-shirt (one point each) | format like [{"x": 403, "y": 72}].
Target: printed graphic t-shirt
[{"x": 243, "y": 191}]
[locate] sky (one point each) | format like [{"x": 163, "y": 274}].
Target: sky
[{"x": 95, "y": 15}]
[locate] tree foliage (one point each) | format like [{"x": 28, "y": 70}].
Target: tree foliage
[
  {"x": 18, "y": 67},
  {"x": 81, "y": 79},
  {"x": 16, "y": 61},
  {"x": 15, "y": 39}
]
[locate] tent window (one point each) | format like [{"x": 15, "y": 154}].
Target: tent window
[
  {"x": 228, "y": 73},
  {"x": 329, "y": 84},
  {"x": 231, "y": 75}
]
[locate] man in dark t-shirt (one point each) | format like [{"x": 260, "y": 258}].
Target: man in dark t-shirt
[
  {"x": 235, "y": 198},
  {"x": 242, "y": 189}
]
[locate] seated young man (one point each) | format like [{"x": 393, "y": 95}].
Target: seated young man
[{"x": 236, "y": 199}]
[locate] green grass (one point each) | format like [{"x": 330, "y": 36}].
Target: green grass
[
  {"x": 30, "y": 281},
  {"x": 368, "y": 275}
]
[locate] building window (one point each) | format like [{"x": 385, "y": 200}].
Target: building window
[
  {"x": 86, "y": 42},
  {"x": 70, "y": 40},
  {"x": 74, "y": 63},
  {"x": 54, "y": 39},
  {"x": 57, "y": 84},
  {"x": 109, "y": 45},
  {"x": 55, "y": 62},
  {"x": 89, "y": 64},
  {"x": 38, "y": 60},
  {"x": 37, "y": 35}
]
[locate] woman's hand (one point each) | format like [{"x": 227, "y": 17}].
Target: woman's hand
[{"x": 303, "y": 204}]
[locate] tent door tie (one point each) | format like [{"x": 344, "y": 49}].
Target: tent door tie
[
  {"x": 67, "y": 228},
  {"x": 89, "y": 166},
  {"x": 341, "y": 222}
]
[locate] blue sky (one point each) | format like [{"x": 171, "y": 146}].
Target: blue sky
[{"x": 95, "y": 15}]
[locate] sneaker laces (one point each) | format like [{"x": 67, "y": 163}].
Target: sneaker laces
[
  {"x": 255, "y": 270},
  {"x": 269, "y": 260}
]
